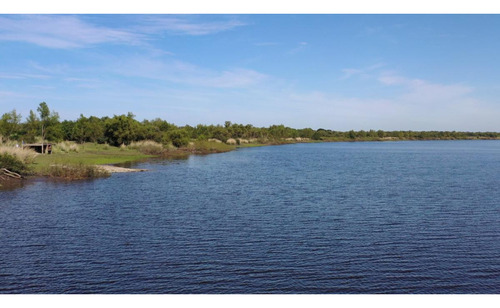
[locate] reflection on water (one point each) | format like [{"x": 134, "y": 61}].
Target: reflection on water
[{"x": 10, "y": 184}]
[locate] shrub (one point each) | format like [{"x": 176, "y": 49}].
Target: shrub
[
  {"x": 12, "y": 163},
  {"x": 179, "y": 138},
  {"x": 16, "y": 159}
]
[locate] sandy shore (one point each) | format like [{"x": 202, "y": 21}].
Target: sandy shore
[{"x": 114, "y": 169}]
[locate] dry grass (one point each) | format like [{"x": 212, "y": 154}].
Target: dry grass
[
  {"x": 66, "y": 147},
  {"x": 27, "y": 156},
  {"x": 147, "y": 147},
  {"x": 16, "y": 159}
]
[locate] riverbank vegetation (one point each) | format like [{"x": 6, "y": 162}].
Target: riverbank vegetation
[
  {"x": 16, "y": 159},
  {"x": 125, "y": 129},
  {"x": 73, "y": 171},
  {"x": 92, "y": 140}
]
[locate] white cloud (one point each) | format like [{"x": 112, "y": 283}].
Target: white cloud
[
  {"x": 423, "y": 92},
  {"x": 186, "y": 73},
  {"x": 59, "y": 31}
]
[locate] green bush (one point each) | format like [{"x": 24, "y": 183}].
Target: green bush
[
  {"x": 179, "y": 138},
  {"x": 12, "y": 163}
]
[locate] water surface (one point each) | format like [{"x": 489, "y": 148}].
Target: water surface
[{"x": 372, "y": 217}]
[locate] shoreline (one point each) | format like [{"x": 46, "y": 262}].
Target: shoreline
[{"x": 183, "y": 153}]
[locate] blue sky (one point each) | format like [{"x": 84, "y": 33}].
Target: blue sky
[{"x": 341, "y": 72}]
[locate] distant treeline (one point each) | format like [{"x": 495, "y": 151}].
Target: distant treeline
[{"x": 124, "y": 129}]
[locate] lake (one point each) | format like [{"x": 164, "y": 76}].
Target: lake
[{"x": 365, "y": 217}]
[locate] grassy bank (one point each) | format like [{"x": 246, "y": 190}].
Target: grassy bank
[
  {"x": 88, "y": 154},
  {"x": 77, "y": 161}
]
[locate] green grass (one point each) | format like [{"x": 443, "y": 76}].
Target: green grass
[
  {"x": 103, "y": 154},
  {"x": 89, "y": 154}
]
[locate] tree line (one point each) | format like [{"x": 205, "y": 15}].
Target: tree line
[{"x": 45, "y": 124}]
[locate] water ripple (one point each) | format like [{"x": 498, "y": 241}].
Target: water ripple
[{"x": 405, "y": 217}]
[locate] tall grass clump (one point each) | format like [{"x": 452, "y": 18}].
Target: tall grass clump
[
  {"x": 16, "y": 159},
  {"x": 66, "y": 147},
  {"x": 78, "y": 171},
  {"x": 148, "y": 147}
]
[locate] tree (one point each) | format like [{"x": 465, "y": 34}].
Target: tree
[
  {"x": 10, "y": 125},
  {"x": 32, "y": 127},
  {"x": 351, "y": 134},
  {"x": 122, "y": 129},
  {"x": 79, "y": 129},
  {"x": 49, "y": 123},
  {"x": 95, "y": 131},
  {"x": 88, "y": 129},
  {"x": 67, "y": 129},
  {"x": 220, "y": 133}
]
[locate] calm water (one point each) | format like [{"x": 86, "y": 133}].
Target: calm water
[{"x": 393, "y": 217}]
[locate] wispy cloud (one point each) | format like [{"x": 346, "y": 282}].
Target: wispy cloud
[
  {"x": 400, "y": 102},
  {"x": 424, "y": 92},
  {"x": 23, "y": 76},
  {"x": 67, "y": 31},
  {"x": 59, "y": 31},
  {"x": 186, "y": 73},
  {"x": 299, "y": 48},
  {"x": 263, "y": 44},
  {"x": 361, "y": 72},
  {"x": 186, "y": 25}
]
